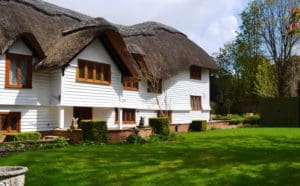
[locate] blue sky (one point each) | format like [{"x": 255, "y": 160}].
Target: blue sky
[{"x": 209, "y": 23}]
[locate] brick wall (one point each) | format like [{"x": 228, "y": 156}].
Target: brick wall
[
  {"x": 113, "y": 135},
  {"x": 217, "y": 124}
]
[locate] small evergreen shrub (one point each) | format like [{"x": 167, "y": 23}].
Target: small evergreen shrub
[
  {"x": 198, "y": 125},
  {"x": 135, "y": 139},
  {"x": 23, "y": 136},
  {"x": 160, "y": 125},
  {"x": 94, "y": 130}
]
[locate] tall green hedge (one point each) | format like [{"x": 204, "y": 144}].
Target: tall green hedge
[
  {"x": 23, "y": 136},
  {"x": 279, "y": 112},
  {"x": 160, "y": 125},
  {"x": 198, "y": 125},
  {"x": 94, "y": 130}
]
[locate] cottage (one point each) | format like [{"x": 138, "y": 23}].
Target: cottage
[{"x": 56, "y": 64}]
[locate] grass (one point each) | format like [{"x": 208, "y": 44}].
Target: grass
[{"x": 256, "y": 156}]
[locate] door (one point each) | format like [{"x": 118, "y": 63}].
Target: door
[{"x": 82, "y": 113}]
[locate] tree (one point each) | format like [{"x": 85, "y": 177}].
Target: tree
[
  {"x": 264, "y": 80},
  {"x": 274, "y": 20}
]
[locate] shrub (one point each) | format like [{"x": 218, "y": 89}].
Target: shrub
[
  {"x": 23, "y": 136},
  {"x": 252, "y": 119},
  {"x": 160, "y": 125},
  {"x": 198, "y": 125},
  {"x": 135, "y": 139},
  {"x": 94, "y": 130}
]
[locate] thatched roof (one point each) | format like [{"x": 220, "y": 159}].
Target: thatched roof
[
  {"x": 57, "y": 35},
  {"x": 166, "y": 50}
]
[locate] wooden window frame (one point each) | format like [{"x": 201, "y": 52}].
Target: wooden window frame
[
  {"x": 132, "y": 117},
  {"x": 168, "y": 112},
  {"x": 104, "y": 67},
  {"x": 8, "y": 114},
  {"x": 196, "y": 72},
  {"x": 196, "y": 103},
  {"x": 29, "y": 71},
  {"x": 155, "y": 89},
  {"x": 132, "y": 82}
]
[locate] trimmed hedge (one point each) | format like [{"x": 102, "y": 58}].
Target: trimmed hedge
[
  {"x": 160, "y": 125},
  {"x": 198, "y": 125},
  {"x": 94, "y": 130},
  {"x": 23, "y": 136}
]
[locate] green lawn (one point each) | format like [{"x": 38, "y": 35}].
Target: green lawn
[{"x": 256, "y": 156}]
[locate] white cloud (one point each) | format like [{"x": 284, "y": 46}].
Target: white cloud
[{"x": 210, "y": 23}]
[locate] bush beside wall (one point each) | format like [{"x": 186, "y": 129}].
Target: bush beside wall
[
  {"x": 94, "y": 130},
  {"x": 279, "y": 112},
  {"x": 160, "y": 125},
  {"x": 23, "y": 136},
  {"x": 198, "y": 125}
]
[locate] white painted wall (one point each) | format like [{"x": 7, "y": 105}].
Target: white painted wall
[
  {"x": 44, "y": 84},
  {"x": 35, "y": 118},
  {"x": 178, "y": 90},
  {"x": 88, "y": 94}
]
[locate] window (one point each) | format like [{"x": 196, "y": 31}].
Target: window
[
  {"x": 18, "y": 71},
  {"x": 128, "y": 116},
  {"x": 196, "y": 103},
  {"x": 10, "y": 122},
  {"x": 116, "y": 115},
  {"x": 165, "y": 113},
  {"x": 93, "y": 72},
  {"x": 195, "y": 72},
  {"x": 130, "y": 83},
  {"x": 155, "y": 86}
]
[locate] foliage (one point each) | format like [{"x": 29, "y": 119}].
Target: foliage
[
  {"x": 261, "y": 61},
  {"x": 264, "y": 85},
  {"x": 135, "y": 139},
  {"x": 235, "y": 157},
  {"x": 240, "y": 119},
  {"x": 279, "y": 112},
  {"x": 33, "y": 145},
  {"x": 23, "y": 136},
  {"x": 198, "y": 125},
  {"x": 94, "y": 130},
  {"x": 274, "y": 20},
  {"x": 160, "y": 125}
]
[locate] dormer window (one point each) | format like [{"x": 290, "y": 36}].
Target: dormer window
[
  {"x": 195, "y": 72},
  {"x": 130, "y": 83},
  {"x": 18, "y": 71},
  {"x": 93, "y": 72}
]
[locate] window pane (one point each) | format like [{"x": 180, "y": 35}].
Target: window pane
[
  {"x": 106, "y": 73},
  {"x": 90, "y": 70},
  {"x": 13, "y": 73},
  {"x": 14, "y": 121},
  {"x": 81, "y": 69},
  {"x": 98, "y": 71},
  {"x": 3, "y": 122},
  {"x": 24, "y": 72}
]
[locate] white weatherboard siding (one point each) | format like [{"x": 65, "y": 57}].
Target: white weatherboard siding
[
  {"x": 39, "y": 94},
  {"x": 146, "y": 114},
  {"x": 89, "y": 94},
  {"x": 178, "y": 90},
  {"x": 35, "y": 118}
]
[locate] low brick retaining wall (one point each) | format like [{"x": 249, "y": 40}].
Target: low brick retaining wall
[
  {"x": 219, "y": 124},
  {"x": 113, "y": 135}
]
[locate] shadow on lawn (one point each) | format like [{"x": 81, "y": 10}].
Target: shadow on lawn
[{"x": 203, "y": 160}]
